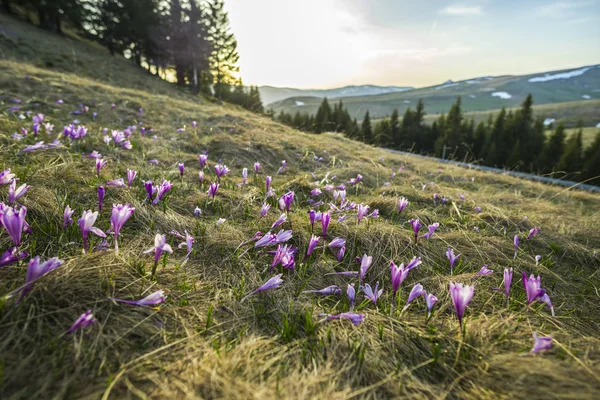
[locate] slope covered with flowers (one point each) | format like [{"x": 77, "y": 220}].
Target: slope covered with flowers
[{"x": 162, "y": 245}]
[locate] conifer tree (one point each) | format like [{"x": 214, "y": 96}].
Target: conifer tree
[
  {"x": 366, "y": 130},
  {"x": 395, "y": 129},
  {"x": 553, "y": 150},
  {"x": 591, "y": 164},
  {"x": 224, "y": 55},
  {"x": 572, "y": 159}
]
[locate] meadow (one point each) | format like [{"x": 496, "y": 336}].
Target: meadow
[{"x": 209, "y": 336}]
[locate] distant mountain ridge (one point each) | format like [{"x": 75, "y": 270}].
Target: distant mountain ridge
[
  {"x": 581, "y": 84},
  {"x": 270, "y": 94}
]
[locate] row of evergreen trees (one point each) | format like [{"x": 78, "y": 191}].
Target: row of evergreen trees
[
  {"x": 511, "y": 139},
  {"x": 189, "y": 40}
]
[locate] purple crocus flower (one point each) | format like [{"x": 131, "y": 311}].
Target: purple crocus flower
[
  {"x": 130, "y": 177},
  {"x": 361, "y": 211},
  {"x": 245, "y": 176},
  {"x": 189, "y": 242},
  {"x": 264, "y": 209},
  {"x": 153, "y": 162},
  {"x": 541, "y": 343},
  {"x": 160, "y": 246},
  {"x": 461, "y": 296},
  {"x": 100, "y": 163},
  {"x": 414, "y": 263},
  {"x": 284, "y": 255},
  {"x": 203, "y": 159},
  {"x": 6, "y": 177},
  {"x": 285, "y": 201},
  {"x": 272, "y": 283},
  {"x": 430, "y": 300},
  {"x": 282, "y": 218},
  {"x": 374, "y": 214},
  {"x": 315, "y": 192},
  {"x": 101, "y": 193},
  {"x": 478, "y": 210},
  {"x": 67, "y": 220},
  {"x": 197, "y": 211},
  {"x": 399, "y": 274},
  {"x": 36, "y": 270},
  {"x": 484, "y": 271},
  {"x": 85, "y": 319},
  {"x": 516, "y": 244},
  {"x": 537, "y": 259},
  {"x": 325, "y": 219},
  {"x": 372, "y": 294},
  {"x": 152, "y": 299},
  {"x": 416, "y": 226},
  {"x": 402, "y": 204},
  {"x": 221, "y": 170},
  {"x": 432, "y": 229},
  {"x": 337, "y": 243},
  {"x": 14, "y": 193},
  {"x": 532, "y": 232},
  {"x": 533, "y": 287},
  {"x": 14, "y": 222},
  {"x": 268, "y": 181},
  {"x": 452, "y": 258},
  {"x": 365, "y": 263},
  {"x": 11, "y": 256},
  {"x": 351, "y": 293},
  {"x": 312, "y": 244},
  {"x": 340, "y": 254},
  {"x": 164, "y": 187},
  {"x": 354, "y": 318},
  {"x": 201, "y": 177},
  {"x": 194, "y": 124},
  {"x": 312, "y": 216},
  {"x": 257, "y": 167},
  {"x": 149, "y": 189},
  {"x": 212, "y": 189},
  {"x": 94, "y": 154},
  {"x": 118, "y": 183},
  {"x": 508, "y": 276},
  {"x": 120, "y": 214},
  {"x": 181, "y": 167},
  {"x": 328, "y": 291},
  {"x": 415, "y": 292},
  {"x": 86, "y": 224}
]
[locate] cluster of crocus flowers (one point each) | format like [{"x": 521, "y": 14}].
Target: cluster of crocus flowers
[
  {"x": 284, "y": 255},
  {"x": 285, "y": 201},
  {"x": 461, "y": 296},
  {"x": 120, "y": 214},
  {"x": 272, "y": 283},
  {"x": 221, "y": 170},
  {"x": 160, "y": 246}
]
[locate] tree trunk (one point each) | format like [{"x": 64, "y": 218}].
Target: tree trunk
[{"x": 58, "y": 23}]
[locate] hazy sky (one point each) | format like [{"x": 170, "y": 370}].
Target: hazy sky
[{"x": 330, "y": 43}]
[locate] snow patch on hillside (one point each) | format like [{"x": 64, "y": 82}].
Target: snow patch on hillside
[
  {"x": 446, "y": 84},
  {"x": 299, "y": 103},
  {"x": 561, "y": 75},
  {"x": 549, "y": 121},
  {"x": 406, "y": 101},
  {"x": 502, "y": 95},
  {"x": 586, "y": 96}
]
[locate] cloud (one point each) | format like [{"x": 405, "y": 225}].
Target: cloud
[
  {"x": 560, "y": 8},
  {"x": 462, "y": 10}
]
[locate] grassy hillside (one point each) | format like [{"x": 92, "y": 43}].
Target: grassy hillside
[
  {"x": 203, "y": 342},
  {"x": 565, "y": 94}
]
